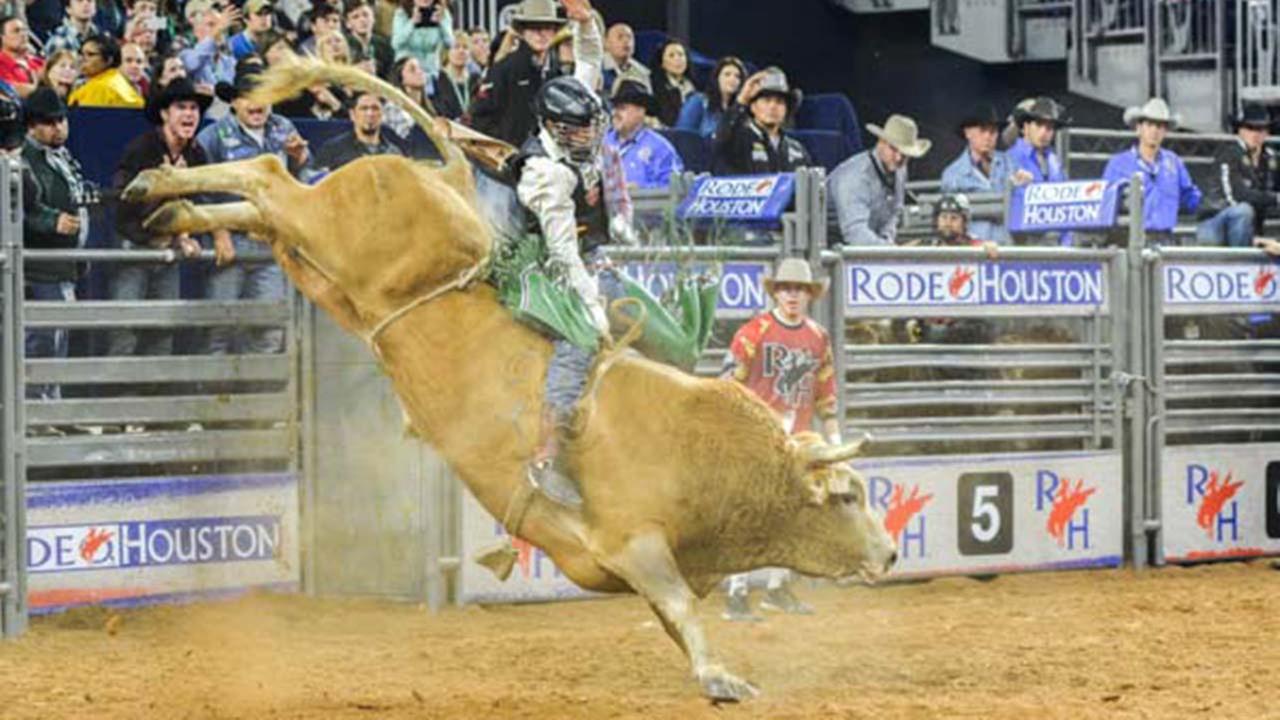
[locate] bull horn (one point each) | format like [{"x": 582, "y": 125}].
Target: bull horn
[{"x": 818, "y": 455}]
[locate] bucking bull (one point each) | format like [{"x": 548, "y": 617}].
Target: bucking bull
[{"x": 684, "y": 480}]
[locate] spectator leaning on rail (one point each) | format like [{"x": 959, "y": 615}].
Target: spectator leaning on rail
[
  {"x": 251, "y": 130},
  {"x": 1166, "y": 186},
  {"x": 1243, "y": 190},
  {"x": 750, "y": 140},
  {"x": 784, "y": 357},
  {"x": 647, "y": 158},
  {"x": 702, "y": 111},
  {"x": 503, "y": 101},
  {"x": 619, "y": 61},
  {"x": 105, "y": 85},
  {"x": 1032, "y": 155},
  {"x": 175, "y": 111},
  {"x": 55, "y": 218},
  {"x": 981, "y": 168},
  {"x": 364, "y": 138},
  {"x": 75, "y": 28},
  {"x": 868, "y": 189},
  {"x": 19, "y": 66}
]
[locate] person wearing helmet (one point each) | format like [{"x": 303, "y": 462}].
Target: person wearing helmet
[
  {"x": 574, "y": 194},
  {"x": 951, "y": 216}
]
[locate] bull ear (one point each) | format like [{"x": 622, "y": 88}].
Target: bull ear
[{"x": 820, "y": 455}]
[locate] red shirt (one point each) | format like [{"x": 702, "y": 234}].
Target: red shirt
[
  {"x": 790, "y": 367},
  {"x": 14, "y": 71}
]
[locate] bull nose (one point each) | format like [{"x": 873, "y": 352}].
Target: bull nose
[{"x": 893, "y": 558}]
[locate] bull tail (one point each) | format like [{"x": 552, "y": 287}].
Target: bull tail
[{"x": 286, "y": 80}]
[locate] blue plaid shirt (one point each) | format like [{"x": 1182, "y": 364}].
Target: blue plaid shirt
[
  {"x": 1166, "y": 186},
  {"x": 209, "y": 63},
  {"x": 66, "y": 37}
]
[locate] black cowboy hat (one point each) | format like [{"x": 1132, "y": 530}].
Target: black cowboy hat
[
  {"x": 246, "y": 80},
  {"x": 179, "y": 89},
  {"x": 43, "y": 105},
  {"x": 1253, "y": 116},
  {"x": 1044, "y": 109},
  {"x": 630, "y": 92},
  {"x": 984, "y": 115}
]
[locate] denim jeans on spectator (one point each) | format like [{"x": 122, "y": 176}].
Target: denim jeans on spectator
[
  {"x": 245, "y": 280},
  {"x": 1231, "y": 227},
  {"x": 132, "y": 281},
  {"x": 47, "y": 342}
]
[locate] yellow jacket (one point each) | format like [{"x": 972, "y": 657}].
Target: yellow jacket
[{"x": 107, "y": 89}]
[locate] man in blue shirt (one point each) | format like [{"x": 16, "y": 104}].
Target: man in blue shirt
[
  {"x": 249, "y": 131},
  {"x": 980, "y": 169},
  {"x": 209, "y": 61},
  {"x": 259, "y": 20},
  {"x": 648, "y": 159},
  {"x": 1032, "y": 156},
  {"x": 1167, "y": 187}
]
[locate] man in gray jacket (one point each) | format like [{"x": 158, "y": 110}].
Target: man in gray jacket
[{"x": 868, "y": 189}]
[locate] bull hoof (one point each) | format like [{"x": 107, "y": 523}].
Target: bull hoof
[
  {"x": 166, "y": 219},
  {"x": 722, "y": 686}
]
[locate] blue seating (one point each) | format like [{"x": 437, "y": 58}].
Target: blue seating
[
  {"x": 831, "y": 111},
  {"x": 828, "y": 147},
  {"x": 694, "y": 150}
]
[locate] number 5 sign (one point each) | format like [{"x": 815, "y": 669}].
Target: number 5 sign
[{"x": 984, "y": 521}]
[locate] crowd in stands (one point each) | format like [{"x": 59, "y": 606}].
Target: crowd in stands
[{"x": 188, "y": 66}]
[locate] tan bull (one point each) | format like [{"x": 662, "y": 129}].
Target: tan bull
[{"x": 685, "y": 480}]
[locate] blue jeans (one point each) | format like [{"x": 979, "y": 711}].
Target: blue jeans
[
  {"x": 47, "y": 342},
  {"x": 567, "y": 373},
  {"x": 245, "y": 281},
  {"x": 142, "y": 282},
  {"x": 1232, "y": 227}
]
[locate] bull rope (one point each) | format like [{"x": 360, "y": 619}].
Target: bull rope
[{"x": 461, "y": 281}]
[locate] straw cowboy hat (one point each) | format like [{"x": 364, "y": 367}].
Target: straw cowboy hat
[
  {"x": 1156, "y": 110},
  {"x": 536, "y": 12},
  {"x": 795, "y": 271},
  {"x": 901, "y": 132}
]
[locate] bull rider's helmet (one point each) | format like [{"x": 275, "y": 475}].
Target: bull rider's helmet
[
  {"x": 573, "y": 115},
  {"x": 954, "y": 203}
]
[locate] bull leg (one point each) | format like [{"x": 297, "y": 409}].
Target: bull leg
[
  {"x": 184, "y": 216},
  {"x": 247, "y": 178},
  {"x": 646, "y": 563}
]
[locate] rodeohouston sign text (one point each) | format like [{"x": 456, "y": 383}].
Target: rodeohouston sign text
[
  {"x": 1049, "y": 207},
  {"x": 749, "y": 199},
  {"x": 1209, "y": 284},
  {"x": 741, "y": 283},
  {"x": 1066, "y": 287}
]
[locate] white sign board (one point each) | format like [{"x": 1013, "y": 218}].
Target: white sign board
[
  {"x": 1211, "y": 288},
  {"x": 989, "y": 514},
  {"x": 1220, "y": 501},
  {"x": 148, "y": 540}
]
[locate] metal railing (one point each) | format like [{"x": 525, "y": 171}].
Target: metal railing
[
  {"x": 1257, "y": 66},
  {"x": 470, "y": 14},
  {"x": 13, "y": 587}
]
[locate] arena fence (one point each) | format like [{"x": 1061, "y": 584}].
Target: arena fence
[{"x": 13, "y": 589}]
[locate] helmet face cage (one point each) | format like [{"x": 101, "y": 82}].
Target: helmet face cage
[{"x": 580, "y": 142}]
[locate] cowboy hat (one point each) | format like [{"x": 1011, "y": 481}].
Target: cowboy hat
[
  {"x": 774, "y": 82},
  {"x": 1156, "y": 110},
  {"x": 983, "y": 115},
  {"x": 536, "y": 12},
  {"x": 1253, "y": 116},
  {"x": 178, "y": 89},
  {"x": 43, "y": 105},
  {"x": 795, "y": 271},
  {"x": 901, "y": 132},
  {"x": 1044, "y": 109},
  {"x": 630, "y": 92},
  {"x": 246, "y": 80}
]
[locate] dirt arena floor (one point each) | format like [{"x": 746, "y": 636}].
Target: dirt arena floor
[{"x": 1173, "y": 643}]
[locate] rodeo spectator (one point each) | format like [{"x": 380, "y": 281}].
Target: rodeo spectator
[
  {"x": 619, "y": 60},
  {"x": 209, "y": 61},
  {"x": 750, "y": 140},
  {"x": 1243, "y": 192},
  {"x": 1166, "y": 185},
  {"x": 868, "y": 189},
  {"x": 671, "y": 83},
  {"x": 326, "y": 20},
  {"x": 75, "y": 29},
  {"x": 502, "y": 106},
  {"x": 18, "y": 65},
  {"x": 702, "y": 111},
  {"x": 407, "y": 75},
  {"x": 105, "y": 85},
  {"x": 1033, "y": 156},
  {"x": 251, "y": 130},
  {"x": 259, "y": 21},
  {"x": 785, "y": 358},
  {"x": 478, "y": 48},
  {"x": 60, "y": 73},
  {"x": 454, "y": 84},
  {"x": 981, "y": 168},
  {"x": 175, "y": 111},
  {"x": 134, "y": 67},
  {"x": 56, "y": 218},
  {"x": 367, "y": 46},
  {"x": 647, "y": 158},
  {"x": 420, "y": 29},
  {"x": 364, "y": 138}
]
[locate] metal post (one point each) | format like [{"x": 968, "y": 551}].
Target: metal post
[
  {"x": 309, "y": 440},
  {"x": 1155, "y": 435},
  {"x": 1136, "y": 334},
  {"x": 13, "y": 598}
]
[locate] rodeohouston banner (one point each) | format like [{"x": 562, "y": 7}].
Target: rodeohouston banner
[
  {"x": 138, "y": 541},
  {"x": 1192, "y": 288},
  {"x": 741, "y": 283},
  {"x": 901, "y": 288},
  {"x": 750, "y": 199},
  {"x": 1054, "y": 207},
  {"x": 992, "y": 514},
  {"x": 1220, "y": 501}
]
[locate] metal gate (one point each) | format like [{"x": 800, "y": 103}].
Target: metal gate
[{"x": 13, "y": 586}]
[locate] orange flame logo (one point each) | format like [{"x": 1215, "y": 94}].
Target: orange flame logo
[
  {"x": 93, "y": 542},
  {"x": 1266, "y": 277},
  {"x": 1216, "y": 495},
  {"x": 1064, "y": 508},
  {"x": 900, "y": 511},
  {"x": 959, "y": 278},
  {"x": 524, "y": 555}
]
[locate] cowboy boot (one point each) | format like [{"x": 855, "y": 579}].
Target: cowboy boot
[{"x": 546, "y": 473}]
